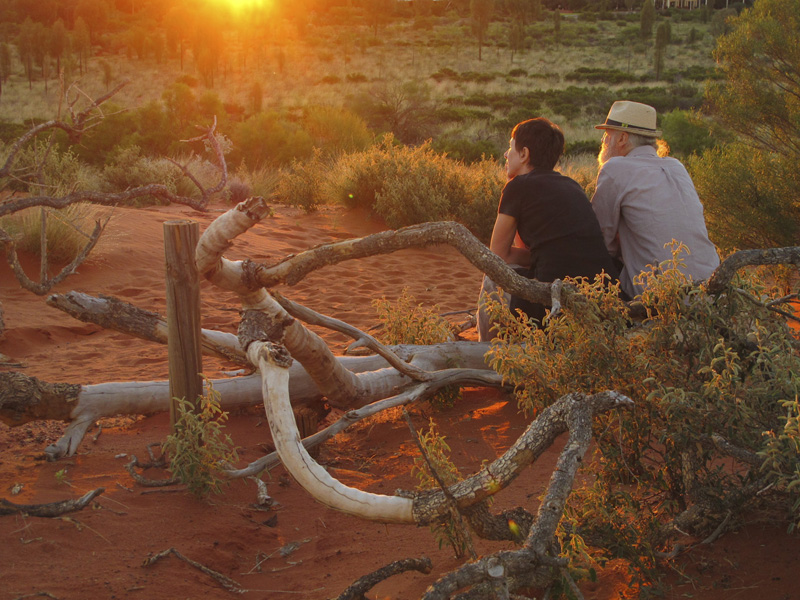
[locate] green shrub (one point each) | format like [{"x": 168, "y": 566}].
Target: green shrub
[
  {"x": 127, "y": 169},
  {"x": 468, "y": 150},
  {"x": 414, "y": 185},
  {"x": 749, "y": 196},
  {"x": 198, "y": 449},
  {"x": 697, "y": 366},
  {"x": 437, "y": 451},
  {"x": 408, "y": 322},
  {"x": 269, "y": 139},
  {"x": 686, "y": 132},
  {"x": 304, "y": 183},
  {"x": 68, "y": 230},
  {"x": 336, "y": 130}
]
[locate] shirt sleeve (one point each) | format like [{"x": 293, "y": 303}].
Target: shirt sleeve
[
  {"x": 510, "y": 200},
  {"x": 606, "y": 203}
]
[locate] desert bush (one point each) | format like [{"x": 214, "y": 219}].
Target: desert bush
[
  {"x": 749, "y": 197},
  {"x": 269, "y": 138},
  {"x": 466, "y": 149},
  {"x": 413, "y": 185},
  {"x": 304, "y": 183},
  {"x": 406, "y": 321},
  {"x": 686, "y": 132},
  {"x": 696, "y": 367},
  {"x": 437, "y": 451},
  {"x": 403, "y": 109},
  {"x": 67, "y": 230},
  {"x": 127, "y": 168},
  {"x": 336, "y": 130},
  {"x": 238, "y": 190},
  {"x": 198, "y": 449}
]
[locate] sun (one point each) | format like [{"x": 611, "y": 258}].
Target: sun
[{"x": 238, "y": 6}]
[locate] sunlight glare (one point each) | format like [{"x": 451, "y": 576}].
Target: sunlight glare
[{"x": 238, "y": 6}]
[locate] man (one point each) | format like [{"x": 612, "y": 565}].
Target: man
[
  {"x": 645, "y": 201},
  {"x": 545, "y": 222}
]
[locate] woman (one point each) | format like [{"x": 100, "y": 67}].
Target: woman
[{"x": 545, "y": 225}]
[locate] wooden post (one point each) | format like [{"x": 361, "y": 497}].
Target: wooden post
[{"x": 183, "y": 314}]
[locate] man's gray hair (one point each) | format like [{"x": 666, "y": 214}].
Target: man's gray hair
[{"x": 636, "y": 140}]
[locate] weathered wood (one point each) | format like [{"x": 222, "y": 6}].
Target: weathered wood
[
  {"x": 112, "y": 313},
  {"x": 183, "y": 314},
  {"x": 52, "y": 509},
  {"x": 364, "y": 584}
]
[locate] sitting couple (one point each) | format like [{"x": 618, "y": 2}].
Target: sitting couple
[{"x": 547, "y": 228}]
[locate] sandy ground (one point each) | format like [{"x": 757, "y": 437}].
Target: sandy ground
[{"x": 299, "y": 548}]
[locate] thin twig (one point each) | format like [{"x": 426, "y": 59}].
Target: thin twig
[
  {"x": 226, "y": 582},
  {"x": 458, "y": 518}
]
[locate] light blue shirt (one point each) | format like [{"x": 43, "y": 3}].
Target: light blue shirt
[{"x": 643, "y": 202}]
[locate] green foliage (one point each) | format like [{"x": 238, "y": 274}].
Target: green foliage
[
  {"x": 600, "y": 75},
  {"x": 697, "y": 366},
  {"x": 760, "y": 59},
  {"x": 408, "y": 322},
  {"x": 780, "y": 454},
  {"x": 268, "y": 138},
  {"x": 336, "y": 130},
  {"x": 647, "y": 19},
  {"x": 404, "y": 109},
  {"x": 415, "y": 185},
  {"x": 437, "y": 450},
  {"x": 304, "y": 183},
  {"x": 198, "y": 449},
  {"x": 750, "y": 197},
  {"x": 67, "y": 230},
  {"x": 127, "y": 168},
  {"x": 687, "y": 132}
]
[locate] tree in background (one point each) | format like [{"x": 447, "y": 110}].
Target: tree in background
[
  {"x": 648, "y": 19},
  {"x": 5, "y": 64},
  {"x": 481, "y": 15},
  {"x": 758, "y": 100},
  {"x": 59, "y": 40},
  {"x": 81, "y": 43},
  {"x": 26, "y": 47},
  {"x": 662, "y": 39},
  {"x": 94, "y": 14}
]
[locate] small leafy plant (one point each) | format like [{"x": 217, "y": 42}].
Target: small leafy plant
[
  {"x": 445, "y": 531},
  {"x": 408, "y": 322},
  {"x": 198, "y": 448}
]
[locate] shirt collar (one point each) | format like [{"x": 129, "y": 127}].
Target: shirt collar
[{"x": 643, "y": 151}]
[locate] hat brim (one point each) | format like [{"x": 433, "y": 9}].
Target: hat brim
[{"x": 643, "y": 132}]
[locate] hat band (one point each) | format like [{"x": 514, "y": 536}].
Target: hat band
[{"x": 627, "y": 125}]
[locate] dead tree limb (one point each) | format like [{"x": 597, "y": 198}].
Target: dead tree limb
[
  {"x": 539, "y": 553},
  {"x": 52, "y": 509},
  {"x": 724, "y": 273},
  {"x": 226, "y": 582},
  {"x": 24, "y": 398},
  {"x": 115, "y": 314},
  {"x": 364, "y": 584}
]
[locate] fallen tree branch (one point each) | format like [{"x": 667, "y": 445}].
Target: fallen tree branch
[
  {"x": 724, "y": 273},
  {"x": 364, "y": 339},
  {"x": 361, "y": 586},
  {"x": 226, "y": 582},
  {"x": 115, "y": 314},
  {"x": 52, "y": 509}
]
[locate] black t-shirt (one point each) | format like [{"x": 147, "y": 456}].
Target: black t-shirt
[{"x": 555, "y": 219}]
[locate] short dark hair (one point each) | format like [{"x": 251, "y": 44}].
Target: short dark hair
[{"x": 543, "y": 139}]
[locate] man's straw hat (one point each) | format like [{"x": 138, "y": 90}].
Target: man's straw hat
[{"x": 633, "y": 117}]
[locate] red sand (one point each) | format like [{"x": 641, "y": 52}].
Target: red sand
[{"x": 98, "y": 552}]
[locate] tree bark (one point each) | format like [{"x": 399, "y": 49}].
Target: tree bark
[{"x": 24, "y": 398}]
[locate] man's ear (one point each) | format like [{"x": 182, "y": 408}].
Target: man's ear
[{"x": 525, "y": 155}]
